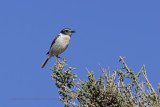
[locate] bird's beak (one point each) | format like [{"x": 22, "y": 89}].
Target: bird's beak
[{"x": 73, "y": 31}]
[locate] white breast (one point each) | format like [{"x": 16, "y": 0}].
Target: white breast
[{"x": 60, "y": 44}]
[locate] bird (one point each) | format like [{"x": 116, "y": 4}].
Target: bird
[{"x": 59, "y": 44}]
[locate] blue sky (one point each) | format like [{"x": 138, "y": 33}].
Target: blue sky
[{"x": 105, "y": 30}]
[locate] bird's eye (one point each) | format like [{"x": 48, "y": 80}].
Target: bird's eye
[{"x": 66, "y": 30}]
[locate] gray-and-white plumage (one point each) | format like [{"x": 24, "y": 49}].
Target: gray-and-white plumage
[{"x": 59, "y": 44}]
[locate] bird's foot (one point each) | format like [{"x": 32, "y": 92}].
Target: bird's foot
[
  {"x": 64, "y": 59},
  {"x": 59, "y": 57}
]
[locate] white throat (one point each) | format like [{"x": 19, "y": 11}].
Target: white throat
[{"x": 61, "y": 34}]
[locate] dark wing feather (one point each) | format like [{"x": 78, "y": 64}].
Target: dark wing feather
[{"x": 53, "y": 43}]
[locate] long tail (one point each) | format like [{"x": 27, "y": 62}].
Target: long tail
[{"x": 44, "y": 63}]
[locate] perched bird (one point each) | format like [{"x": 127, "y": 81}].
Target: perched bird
[{"x": 59, "y": 44}]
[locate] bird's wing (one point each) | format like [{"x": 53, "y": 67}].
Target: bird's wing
[{"x": 53, "y": 43}]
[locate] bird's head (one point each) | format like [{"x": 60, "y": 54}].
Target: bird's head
[{"x": 67, "y": 31}]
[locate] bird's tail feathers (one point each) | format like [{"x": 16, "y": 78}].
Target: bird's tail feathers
[{"x": 44, "y": 63}]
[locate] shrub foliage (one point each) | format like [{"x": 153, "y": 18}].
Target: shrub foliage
[{"x": 122, "y": 88}]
